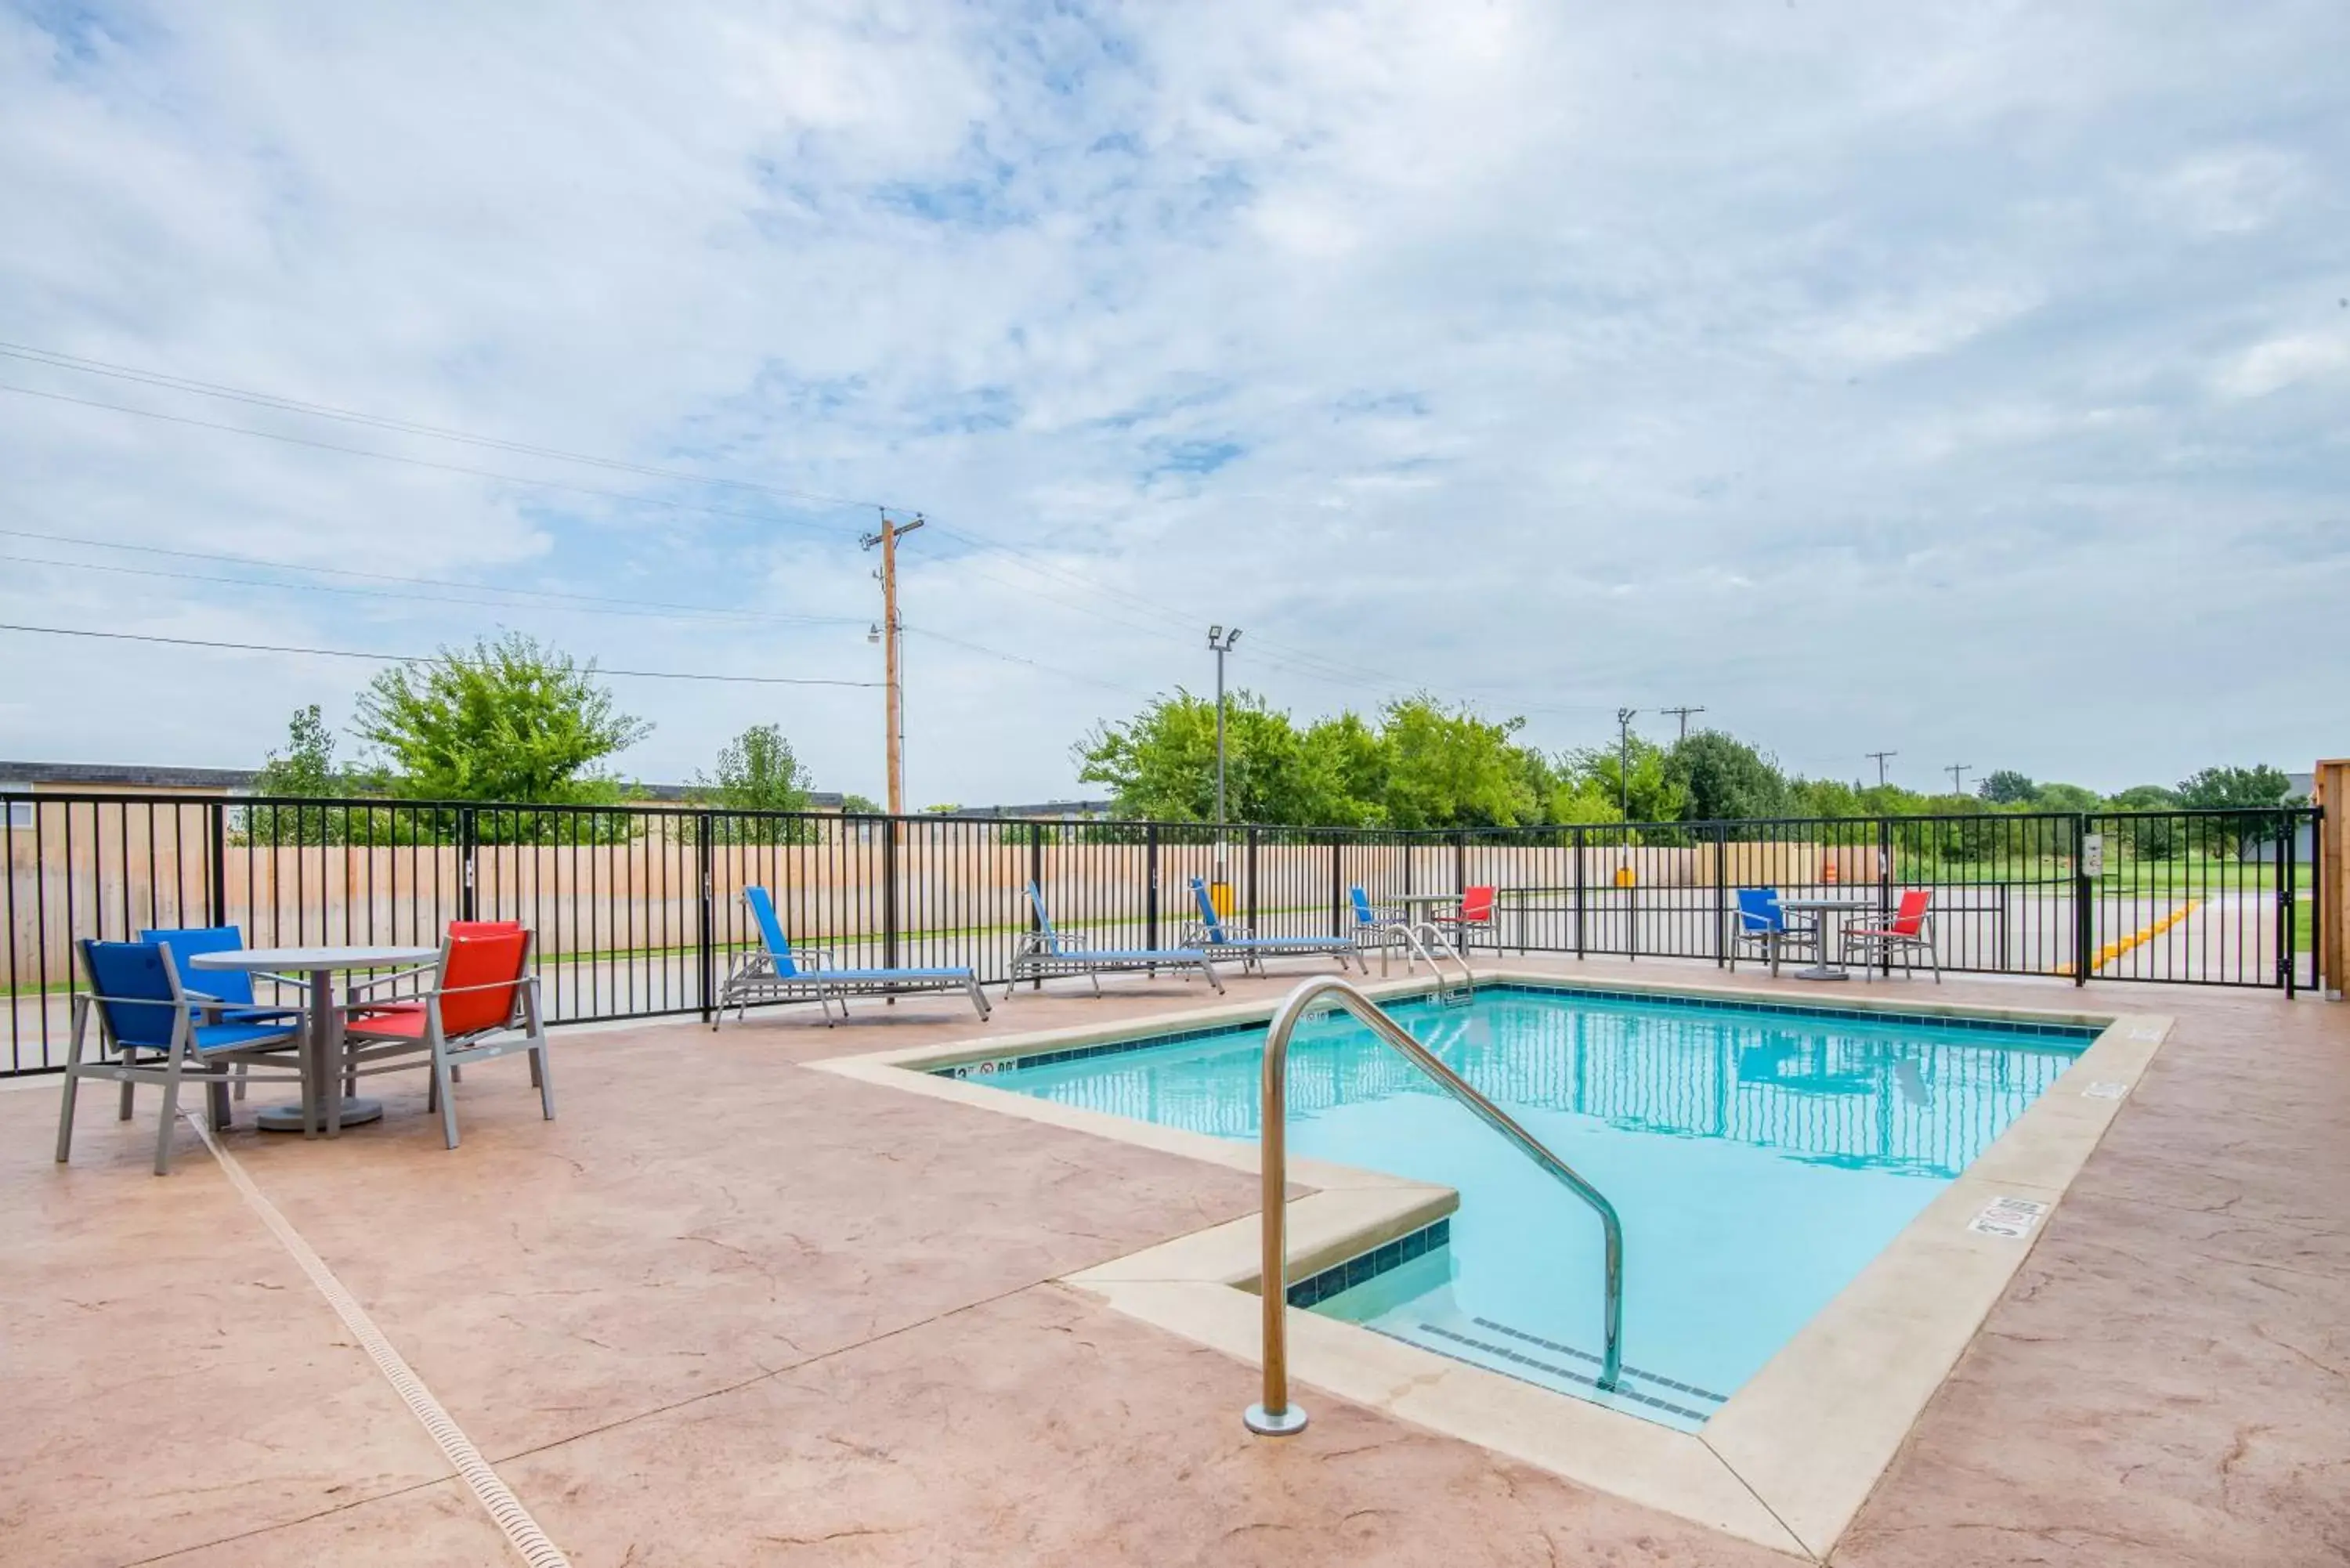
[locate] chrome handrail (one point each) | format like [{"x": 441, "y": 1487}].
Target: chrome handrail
[
  {"x": 1276, "y": 1417},
  {"x": 1413, "y": 934}
]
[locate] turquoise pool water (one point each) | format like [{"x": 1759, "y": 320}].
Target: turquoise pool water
[{"x": 1758, "y": 1160}]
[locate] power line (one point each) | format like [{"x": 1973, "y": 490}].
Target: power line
[
  {"x": 620, "y": 496},
  {"x": 59, "y": 362},
  {"x": 711, "y": 611},
  {"x": 414, "y": 658},
  {"x": 1033, "y": 664},
  {"x": 463, "y": 469},
  {"x": 268, "y": 564},
  {"x": 672, "y": 615},
  {"x": 1958, "y": 772},
  {"x": 1880, "y": 758},
  {"x": 1276, "y": 653}
]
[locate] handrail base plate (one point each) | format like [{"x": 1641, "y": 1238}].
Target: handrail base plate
[{"x": 1265, "y": 1424}]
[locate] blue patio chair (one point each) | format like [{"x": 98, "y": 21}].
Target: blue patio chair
[
  {"x": 1376, "y": 926},
  {"x": 1210, "y": 932},
  {"x": 1043, "y": 955},
  {"x": 777, "y": 973},
  {"x": 230, "y": 988},
  {"x": 1761, "y": 923},
  {"x": 135, "y": 992}
]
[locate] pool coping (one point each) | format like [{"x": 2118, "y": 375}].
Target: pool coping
[{"x": 1789, "y": 1459}]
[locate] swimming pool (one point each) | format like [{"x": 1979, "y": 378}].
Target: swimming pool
[{"x": 1759, "y": 1156}]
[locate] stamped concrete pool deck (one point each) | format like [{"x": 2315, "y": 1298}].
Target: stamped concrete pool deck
[{"x": 729, "y": 1310}]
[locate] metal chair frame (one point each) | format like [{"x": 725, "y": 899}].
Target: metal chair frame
[{"x": 184, "y": 1057}]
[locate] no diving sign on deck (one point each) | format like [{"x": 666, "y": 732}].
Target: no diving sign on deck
[{"x": 2012, "y": 1217}]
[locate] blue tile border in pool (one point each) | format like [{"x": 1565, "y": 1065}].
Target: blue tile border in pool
[
  {"x": 995, "y": 1065},
  {"x": 2082, "y": 1033},
  {"x": 1370, "y": 1265}
]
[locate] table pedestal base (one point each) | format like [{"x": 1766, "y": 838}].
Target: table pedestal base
[
  {"x": 1822, "y": 971},
  {"x": 289, "y": 1119}
]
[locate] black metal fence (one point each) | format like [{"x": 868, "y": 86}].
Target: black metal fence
[{"x": 637, "y": 909}]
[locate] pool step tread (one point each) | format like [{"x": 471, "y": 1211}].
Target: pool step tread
[
  {"x": 1656, "y": 1377},
  {"x": 1622, "y": 1390}
]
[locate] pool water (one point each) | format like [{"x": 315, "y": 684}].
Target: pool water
[{"x": 1757, "y": 1158}]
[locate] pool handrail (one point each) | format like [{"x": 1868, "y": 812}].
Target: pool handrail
[{"x": 1276, "y": 1417}]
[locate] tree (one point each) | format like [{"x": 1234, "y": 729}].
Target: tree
[
  {"x": 2064, "y": 797},
  {"x": 1656, "y": 795},
  {"x": 757, "y": 774},
  {"x": 1447, "y": 768},
  {"x": 2240, "y": 790},
  {"x": 304, "y": 771},
  {"x": 307, "y": 767},
  {"x": 2008, "y": 787},
  {"x": 1725, "y": 780},
  {"x": 509, "y": 720},
  {"x": 2237, "y": 789},
  {"x": 1162, "y": 764},
  {"x": 854, "y": 804}
]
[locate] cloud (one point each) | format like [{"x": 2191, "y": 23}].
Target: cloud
[
  {"x": 2281, "y": 362},
  {"x": 1558, "y": 360}
]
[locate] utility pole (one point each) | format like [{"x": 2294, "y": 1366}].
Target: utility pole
[
  {"x": 1880, "y": 757},
  {"x": 1624, "y": 717},
  {"x": 1958, "y": 772},
  {"x": 892, "y": 633},
  {"x": 1683, "y": 715},
  {"x": 1219, "y": 643}
]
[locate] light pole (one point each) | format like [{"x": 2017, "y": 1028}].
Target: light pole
[
  {"x": 1219, "y": 643},
  {"x": 1624, "y": 717}
]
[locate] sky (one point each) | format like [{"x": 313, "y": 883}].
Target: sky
[{"x": 1969, "y": 381}]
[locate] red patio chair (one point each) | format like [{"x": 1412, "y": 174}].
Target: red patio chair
[
  {"x": 1474, "y": 913},
  {"x": 484, "y": 1003},
  {"x": 1911, "y": 933}
]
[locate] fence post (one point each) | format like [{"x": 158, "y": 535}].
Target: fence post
[
  {"x": 1460, "y": 863},
  {"x": 1721, "y": 895},
  {"x": 1580, "y": 835},
  {"x": 465, "y": 843},
  {"x": 891, "y": 827},
  {"x": 1036, "y": 880},
  {"x": 1251, "y": 878},
  {"x": 1884, "y": 888},
  {"x": 2085, "y": 926},
  {"x": 216, "y": 890},
  {"x": 1150, "y": 894},
  {"x": 1337, "y": 876},
  {"x": 2288, "y": 865},
  {"x": 706, "y": 940}
]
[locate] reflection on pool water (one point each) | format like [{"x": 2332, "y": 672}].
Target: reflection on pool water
[{"x": 1758, "y": 1160}]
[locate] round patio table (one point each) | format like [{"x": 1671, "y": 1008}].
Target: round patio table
[
  {"x": 322, "y": 1021},
  {"x": 1839, "y": 910},
  {"x": 1423, "y": 905}
]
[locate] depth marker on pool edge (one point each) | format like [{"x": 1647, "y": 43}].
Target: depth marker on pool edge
[{"x": 521, "y": 1531}]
